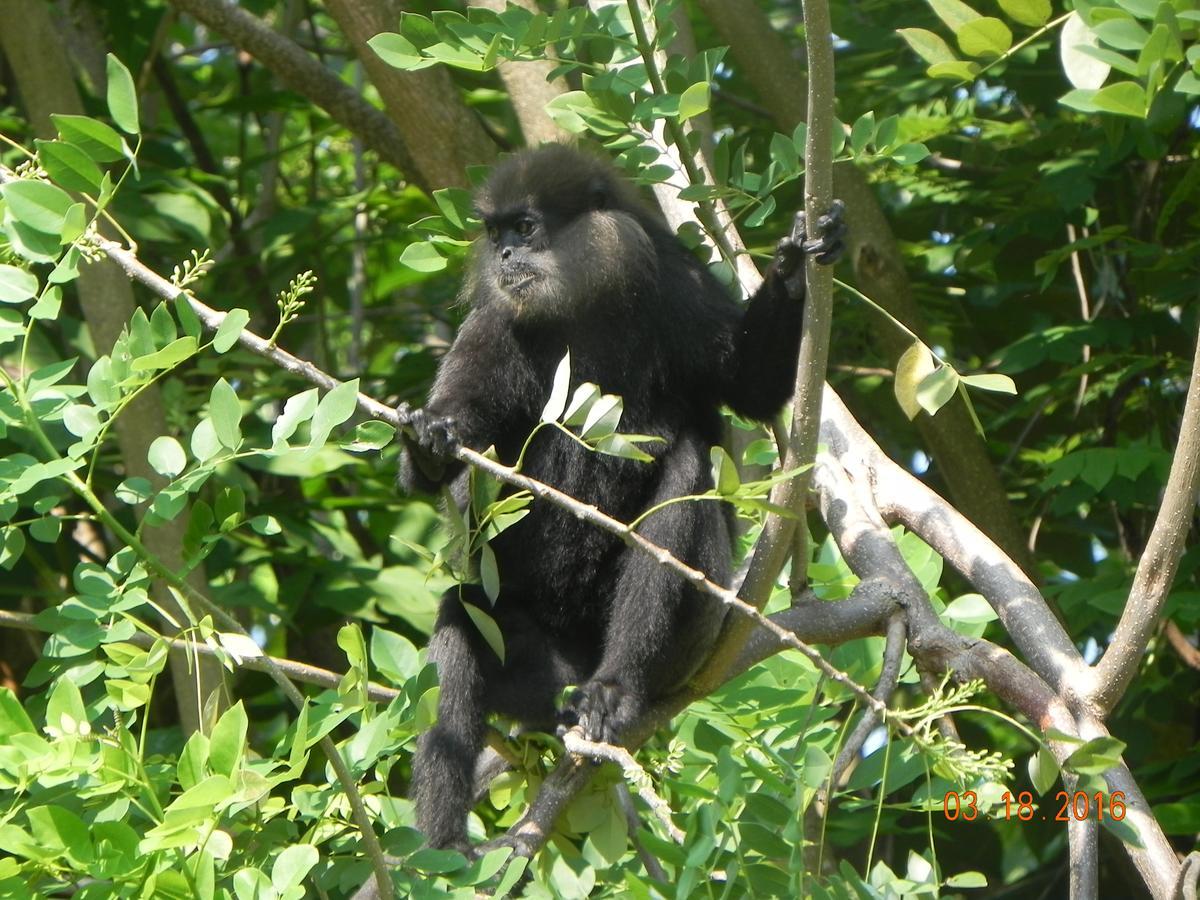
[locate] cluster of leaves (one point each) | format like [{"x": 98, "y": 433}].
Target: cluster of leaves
[{"x": 1094, "y": 40}]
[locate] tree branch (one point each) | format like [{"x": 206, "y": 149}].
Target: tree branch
[
  {"x": 1160, "y": 560},
  {"x": 306, "y": 76}
]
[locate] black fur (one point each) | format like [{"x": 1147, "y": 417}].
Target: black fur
[{"x": 573, "y": 259}]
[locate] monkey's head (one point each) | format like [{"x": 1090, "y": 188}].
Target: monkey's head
[{"x": 563, "y": 232}]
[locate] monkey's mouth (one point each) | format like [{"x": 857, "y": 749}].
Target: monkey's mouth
[{"x": 515, "y": 282}]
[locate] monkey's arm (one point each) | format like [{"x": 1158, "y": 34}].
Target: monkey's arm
[
  {"x": 767, "y": 341},
  {"x": 472, "y": 402}
]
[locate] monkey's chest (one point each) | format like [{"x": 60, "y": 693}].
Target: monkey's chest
[{"x": 557, "y": 565}]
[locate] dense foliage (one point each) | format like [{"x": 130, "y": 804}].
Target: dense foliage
[{"x": 1040, "y": 170}]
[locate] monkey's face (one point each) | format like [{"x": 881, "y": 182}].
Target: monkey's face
[
  {"x": 556, "y": 264},
  {"x": 563, "y": 237},
  {"x": 519, "y": 255}
]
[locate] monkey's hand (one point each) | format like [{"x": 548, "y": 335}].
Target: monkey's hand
[
  {"x": 828, "y": 245},
  {"x": 431, "y": 440},
  {"x": 603, "y": 709}
]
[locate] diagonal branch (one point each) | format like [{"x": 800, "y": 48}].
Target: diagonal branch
[
  {"x": 305, "y": 75},
  {"x": 1160, "y": 560}
]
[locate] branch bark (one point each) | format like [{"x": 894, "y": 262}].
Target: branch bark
[
  {"x": 529, "y": 84},
  {"x": 440, "y": 133}
]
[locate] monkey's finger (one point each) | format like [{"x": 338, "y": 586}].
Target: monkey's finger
[{"x": 799, "y": 228}]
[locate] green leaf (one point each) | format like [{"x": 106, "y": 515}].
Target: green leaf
[
  {"x": 65, "y": 712},
  {"x": 581, "y": 403},
  {"x": 1033, "y": 13},
  {"x": 953, "y": 13},
  {"x": 422, "y": 257},
  {"x": 393, "y": 655},
  {"x": 962, "y": 70},
  {"x": 230, "y": 329},
  {"x": 37, "y": 204},
  {"x": 69, "y": 167},
  {"x": 227, "y": 742},
  {"x": 1125, "y": 98},
  {"x": 398, "y": 51},
  {"x": 487, "y": 628},
  {"x": 1081, "y": 100},
  {"x": 94, "y": 138},
  {"x": 456, "y": 206},
  {"x": 1043, "y": 770},
  {"x": 724, "y": 472},
  {"x": 990, "y": 381},
  {"x": 488, "y": 573},
  {"x": 12, "y": 545},
  {"x": 296, "y": 410},
  {"x": 784, "y": 153},
  {"x": 122, "y": 96},
  {"x": 967, "y": 880},
  {"x": 558, "y": 392},
  {"x": 204, "y": 441},
  {"x": 1095, "y": 757},
  {"x": 188, "y": 320},
  {"x": 166, "y": 456},
  {"x": 334, "y": 408},
  {"x": 914, "y": 365},
  {"x": 13, "y": 718},
  {"x": 166, "y": 358},
  {"x": 984, "y": 37},
  {"x": 694, "y": 101},
  {"x": 225, "y": 410},
  {"x": 55, "y": 826},
  {"x": 134, "y": 491},
  {"x": 970, "y": 609},
  {"x": 373, "y": 435},
  {"x": 863, "y": 131},
  {"x": 74, "y": 223},
  {"x": 909, "y": 154},
  {"x": 81, "y": 420},
  {"x": 48, "y": 304},
  {"x": 927, "y": 45},
  {"x": 292, "y": 866},
  {"x": 604, "y": 416},
  {"x": 937, "y": 388},
  {"x": 46, "y": 530},
  {"x": 1123, "y": 34},
  {"x": 1084, "y": 71},
  {"x": 17, "y": 285}
]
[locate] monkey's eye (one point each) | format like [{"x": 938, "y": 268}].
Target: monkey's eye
[
  {"x": 493, "y": 234},
  {"x": 524, "y": 227}
]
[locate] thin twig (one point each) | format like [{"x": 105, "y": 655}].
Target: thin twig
[{"x": 574, "y": 742}]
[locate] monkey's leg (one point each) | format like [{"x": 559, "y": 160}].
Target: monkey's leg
[
  {"x": 660, "y": 629},
  {"x": 443, "y": 770},
  {"x": 537, "y": 666}
]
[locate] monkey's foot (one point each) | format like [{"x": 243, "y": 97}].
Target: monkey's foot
[{"x": 602, "y": 709}]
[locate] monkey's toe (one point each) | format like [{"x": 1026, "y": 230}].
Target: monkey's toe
[{"x": 603, "y": 710}]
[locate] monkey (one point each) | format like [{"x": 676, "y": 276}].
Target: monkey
[{"x": 571, "y": 258}]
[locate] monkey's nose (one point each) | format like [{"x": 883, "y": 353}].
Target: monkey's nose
[{"x": 506, "y": 253}]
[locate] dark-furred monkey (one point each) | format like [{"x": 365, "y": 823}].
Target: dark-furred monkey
[{"x": 571, "y": 258}]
